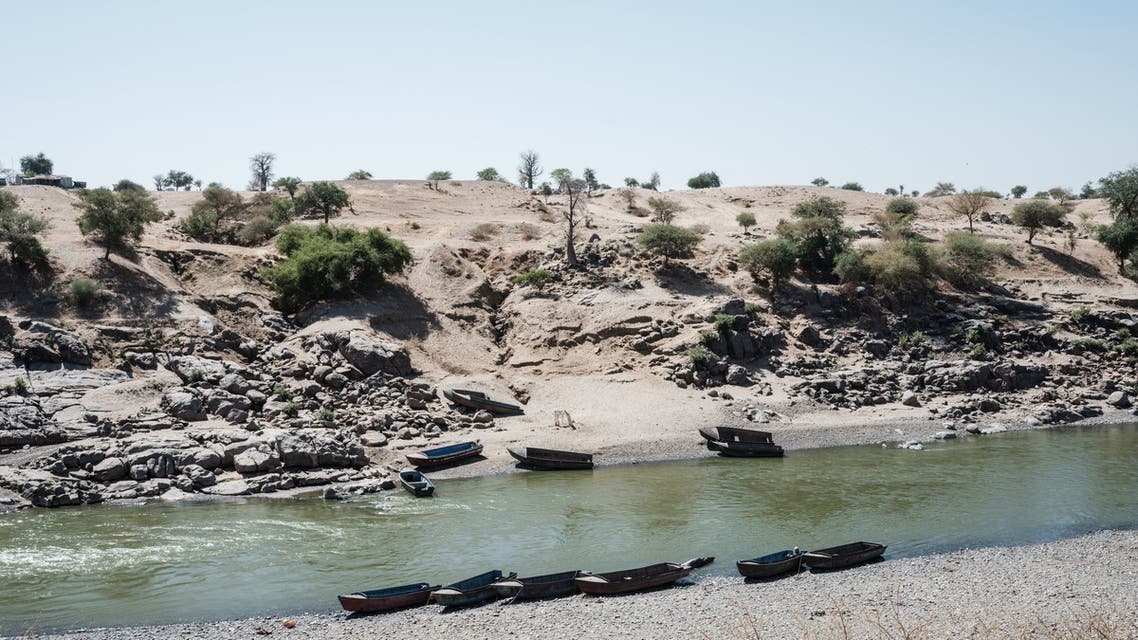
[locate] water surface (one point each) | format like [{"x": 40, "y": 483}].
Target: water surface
[{"x": 127, "y": 565}]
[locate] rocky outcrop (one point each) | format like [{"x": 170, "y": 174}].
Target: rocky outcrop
[{"x": 371, "y": 355}]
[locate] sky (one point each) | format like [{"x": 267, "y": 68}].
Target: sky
[{"x": 886, "y": 94}]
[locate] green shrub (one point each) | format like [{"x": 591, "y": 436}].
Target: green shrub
[
  {"x": 968, "y": 260},
  {"x": 326, "y": 414},
  {"x": 85, "y": 292},
  {"x": 817, "y": 240},
  {"x": 21, "y": 386},
  {"x": 752, "y": 309},
  {"x": 1081, "y": 314},
  {"x": 256, "y": 231},
  {"x": 668, "y": 241},
  {"x": 196, "y": 375},
  {"x": 903, "y": 206},
  {"x": 664, "y": 210},
  {"x": 536, "y": 278},
  {"x": 708, "y": 336},
  {"x": 901, "y": 268},
  {"x": 19, "y": 230},
  {"x": 820, "y": 207},
  {"x": 699, "y": 355},
  {"x": 724, "y": 323},
  {"x": 1090, "y": 344},
  {"x": 914, "y": 339},
  {"x": 852, "y": 186},
  {"x": 745, "y": 220},
  {"x": 774, "y": 258},
  {"x": 200, "y": 225},
  {"x": 327, "y": 262},
  {"x": 1033, "y": 215},
  {"x": 1121, "y": 238},
  {"x": 282, "y": 393},
  {"x": 978, "y": 352},
  {"x": 292, "y": 408},
  {"x": 850, "y": 267},
  {"x": 705, "y": 180}
]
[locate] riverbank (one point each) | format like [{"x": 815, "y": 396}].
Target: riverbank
[{"x": 1073, "y": 588}]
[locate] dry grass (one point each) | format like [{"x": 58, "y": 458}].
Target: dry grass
[
  {"x": 484, "y": 232},
  {"x": 528, "y": 231},
  {"x": 639, "y": 212},
  {"x": 701, "y": 229},
  {"x": 550, "y": 216}
]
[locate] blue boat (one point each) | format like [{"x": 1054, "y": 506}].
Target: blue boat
[{"x": 444, "y": 455}]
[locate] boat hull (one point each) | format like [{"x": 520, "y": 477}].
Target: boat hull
[
  {"x": 550, "y": 460},
  {"x": 746, "y": 449},
  {"x": 416, "y": 483},
  {"x": 427, "y": 459},
  {"x": 624, "y": 582},
  {"x": 847, "y": 555},
  {"x": 479, "y": 400},
  {"x": 770, "y": 566},
  {"x": 399, "y": 598},
  {"x": 464, "y": 593},
  {"x": 554, "y": 585}
]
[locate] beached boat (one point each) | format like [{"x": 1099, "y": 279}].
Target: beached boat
[
  {"x": 551, "y": 459},
  {"x": 408, "y": 595},
  {"x": 551, "y": 585},
  {"x": 418, "y": 484},
  {"x": 638, "y": 579},
  {"x": 741, "y": 443},
  {"x": 771, "y": 565},
  {"x": 479, "y": 400},
  {"x": 444, "y": 455},
  {"x": 846, "y": 555},
  {"x": 471, "y": 591}
]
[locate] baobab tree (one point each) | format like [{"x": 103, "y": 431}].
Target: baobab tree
[
  {"x": 530, "y": 169},
  {"x": 262, "y": 167}
]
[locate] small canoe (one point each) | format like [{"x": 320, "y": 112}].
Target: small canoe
[
  {"x": 552, "y": 585},
  {"x": 444, "y": 455},
  {"x": 771, "y": 565},
  {"x": 746, "y": 449},
  {"x": 639, "y": 579},
  {"x": 736, "y": 434},
  {"x": 471, "y": 591},
  {"x": 479, "y": 400},
  {"x": 846, "y": 555},
  {"x": 418, "y": 484},
  {"x": 551, "y": 459},
  {"x": 408, "y": 595}
]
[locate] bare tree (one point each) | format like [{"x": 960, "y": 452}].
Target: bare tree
[
  {"x": 530, "y": 168},
  {"x": 574, "y": 214},
  {"x": 968, "y": 204},
  {"x": 262, "y": 167}
]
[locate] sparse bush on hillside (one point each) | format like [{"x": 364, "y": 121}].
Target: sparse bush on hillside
[
  {"x": 705, "y": 180},
  {"x": 699, "y": 355},
  {"x": 85, "y": 292},
  {"x": 489, "y": 174},
  {"x": 901, "y": 268},
  {"x": 435, "y": 177},
  {"x": 359, "y": 174},
  {"x": 818, "y": 240},
  {"x": 821, "y": 207},
  {"x": 1121, "y": 238},
  {"x": 774, "y": 259},
  {"x": 852, "y": 186},
  {"x": 115, "y": 220},
  {"x": 19, "y": 230},
  {"x": 529, "y": 231},
  {"x": 290, "y": 184},
  {"x": 325, "y": 262},
  {"x": 820, "y": 182},
  {"x": 484, "y": 232},
  {"x": 323, "y": 199},
  {"x": 536, "y": 278},
  {"x": 903, "y": 206},
  {"x": 969, "y": 204},
  {"x": 1120, "y": 189},
  {"x": 968, "y": 261},
  {"x": 746, "y": 220},
  {"x": 941, "y": 189},
  {"x": 1034, "y": 214},
  {"x": 668, "y": 241},
  {"x": 1018, "y": 191},
  {"x": 127, "y": 185},
  {"x": 257, "y": 230},
  {"x": 664, "y": 210},
  {"x": 629, "y": 197},
  {"x": 850, "y": 267},
  {"x": 210, "y": 217}
]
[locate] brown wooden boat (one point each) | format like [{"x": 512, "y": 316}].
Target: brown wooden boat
[
  {"x": 846, "y": 555},
  {"x": 444, "y": 455},
  {"x": 551, "y": 585},
  {"x": 479, "y": 400},
  {"x": 771, "y": 565},
  {"x": 639, "y": 579},
  {"x": 471, "y": 591},
  {"x": 741, "y": 443},
  {"x": 408, "y": 595},
  {"x": 551, "y": 459}
]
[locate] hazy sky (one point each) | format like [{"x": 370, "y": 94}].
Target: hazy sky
[{"x": 886, "y": 93}]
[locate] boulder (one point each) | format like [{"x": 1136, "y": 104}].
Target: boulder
[
  {"x": 254, "y": 460},
  {"x": 142, "y": 360},
  {"x": 371, "y": 355},
  {"x": 737, "y": 375},
  {"x": 23, "y": 422},
  {"x": 71, "y": 349},
  {"x": 195, "y": 369},
  {"x": 909, "y": 399},
  {"x": 36, "y": 351},
  {"x": 200, "y": 477},
  {"x": 234, "y": 383},
  {"x": 109, "y": 470},
  {"x": 808, "y": 335},
  {"x": 373, "y": 439},
  {"x": 183, "y": 404},
  {"x": 1119, "y": 400}
]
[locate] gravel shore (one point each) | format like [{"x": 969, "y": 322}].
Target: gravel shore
[{"x": 1078, "y": 587}]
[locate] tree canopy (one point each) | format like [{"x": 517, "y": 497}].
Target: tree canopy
[
  {"x": 18, "y": 231},
  {"x": 36, "y": 165},
  {"x": 668, "y": 241},
  {"x": 322, "y": 199},
  {"x": 288, "y": 183},
  {"x": 705, "y": 180},
  {"x": 116, "y": 220},
  {"x": 261, "y": 165},
  {"x": 1035, "y": 214},
  {"x": 1120, "y": 189},
  {"x": 435, "y": 177}
]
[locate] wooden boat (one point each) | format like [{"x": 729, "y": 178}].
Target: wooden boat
[
  {"x": 444, "y": 455},
  {"x": 479, "y": 400},
  {"x": 408, "y": 595},
  {"x": 551, "y": 459},
  {"x": 418, "y": 484},
  {"x": 638, "y": 579},
  {"x": 771, "y": 565},
  {"x": 464, "y": 593},
  {"x": 551, "y": 585},
  {"x": 846, "y": 555},
  {"x": 742, "y": 443}
]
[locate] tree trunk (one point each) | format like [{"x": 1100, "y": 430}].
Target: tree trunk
[
  {"x": 107, "y": 255},
  {"x": 570, "y": 251},
  {"x": 970, "y": 231}
]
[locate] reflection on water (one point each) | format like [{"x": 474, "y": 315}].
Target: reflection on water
[{"x": 119, "y": 565}]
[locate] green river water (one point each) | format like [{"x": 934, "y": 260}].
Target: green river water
[{"x": 109, "y": 565}]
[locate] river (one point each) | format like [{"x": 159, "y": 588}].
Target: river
[{"x": 111, "y": 565}]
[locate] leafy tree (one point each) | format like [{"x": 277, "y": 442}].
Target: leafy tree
[
  {"x": 328, "y": 262},
  {"x": 19, "y": 230},
  {"x": 629, "y": 197},
  {"x": 775, "y": 258},
  {"x": 1034, "y": 214},
  {"x": 705, "y": 180},
  {"x": 127, "y": 185},
  {"x": 892, "y": 192},
  {"x": 1120, "y": 189},
  {"x": 217, "y": 205},
  {"x": 359, "y": 174},
  {"x": 968, "y": 260},
  {"x": 653, "y": 181},
  {"x": 941, "y": 189},
  {"x": 435, "y": 177},
  {"x": 664, "y": 210},
  {"x": 818, "y": 241},
  {"x": 529, "y": 169},
  {"x": 1062, "y": 194},
  {"x": 591, "y": 183},
  {"x": 38, "y": 164},
  {"x": 820, "y": 182},
  {"x": 1121, "y": 237},
  {"x": 820, "y": 207},
  {"x": 561, "y": 177},
  {"x": 852, "y": 186},
  {"x": 261, "y": 165},
  {"x": 289, "y": 184},
  {"x": 159, "y": 181},
  {"x": 746, "y": 220},
  {"x": 198, "y": 184},
  {"x": 176, "y": 180},
  {"x": 850, "y": 267},
  {"x": 489, "y": 174},
  {"x": 322, "y": 199},
  {"x": 631, "y": 182},
  {"x": 115, "y": 220},
  {"x": 1087, "y": 192},
  {"x": 668, "y": 241},
  {"x": 1018, "y": 191},
  {"x": 969, "y": 204}
]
